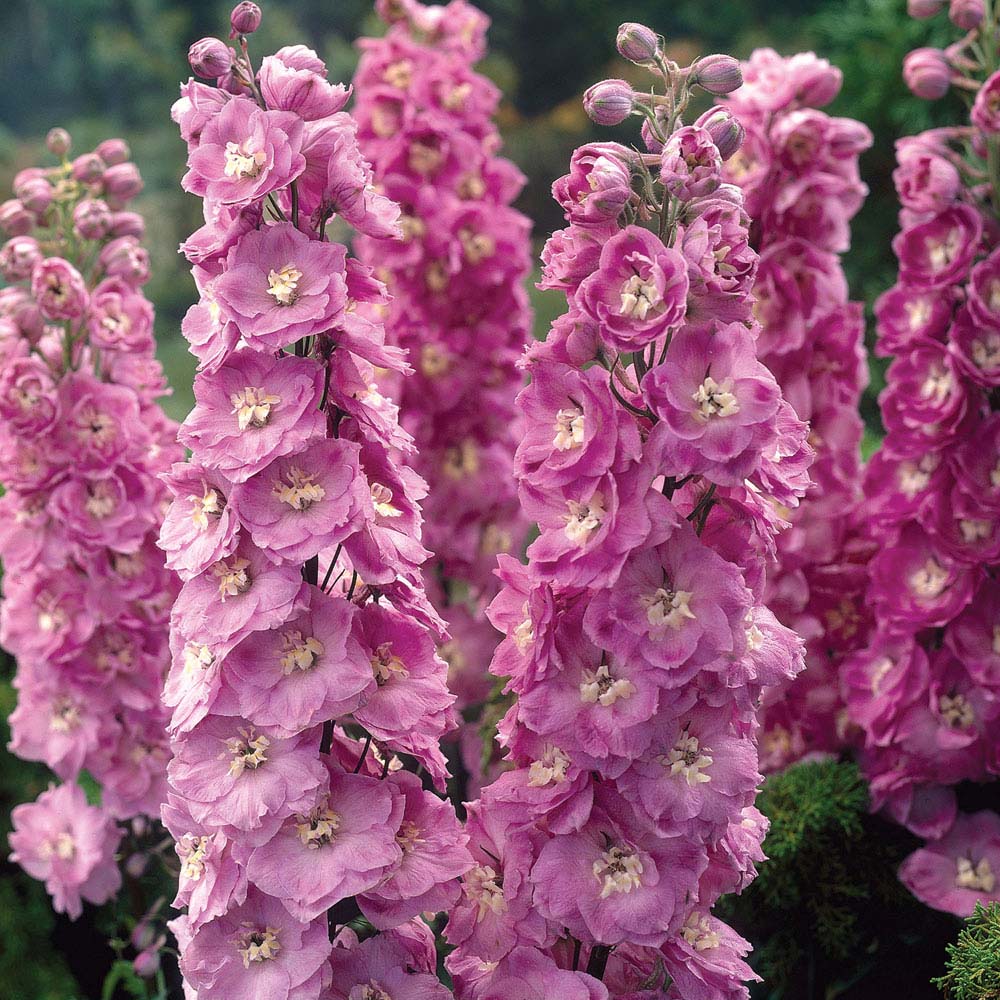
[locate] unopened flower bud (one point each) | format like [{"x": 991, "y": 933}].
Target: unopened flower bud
[
  {"x": 127, "y": 224},
  {"x": 144, "y": 932},
  {"x": 609, "y": 102},
  {"x": 232, "y": 84},
  {"x": 725, "y": 129},
  {"x": 58, "y": 141},
  {"x": 88, "y": 168},
  {"x": 718, "y": 74},
  {"x": 210, "y": 58},
  {"x": 637, "y": 43},
  {"x": 967, "y": 14},
  {"x": 113, "y": 151},
  {"x": 92, "y": 219},
  {"x": 122, "y": 182},
  {"x": 924, "y": 8},
  {"x": 244, "y": 19},
  {"x": 15, "y": 219},
  {"x": 147, "y": 962},
  {"x": 18, "y": 257},
  {"x": 35, "y": 194},
  {"x": 927, "y": 73}
]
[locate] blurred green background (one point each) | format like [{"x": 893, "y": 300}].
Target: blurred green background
[{"x": 112, "y": 67}]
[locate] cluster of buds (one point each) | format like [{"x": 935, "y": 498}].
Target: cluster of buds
[
  {"x": 926, "y": 689},
  {"x": 798, "y": 170},
  {"x": 657, "y": 459},
  {"x": 305, "y": 685},
  {"x": 82, "y": 444},
  {"x": 930, "y": 73},
  {"x": 459, "y": 308}
]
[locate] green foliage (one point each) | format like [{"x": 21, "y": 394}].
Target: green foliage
[
  {"x": 827, "y": 915},
  {"x": 973, "y": 967}
]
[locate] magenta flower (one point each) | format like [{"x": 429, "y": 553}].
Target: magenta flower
[
  {"x": 243, "y": 153},
  {"x": 256, "y": 950},
  {"x": 959, "y": 870},
  {"x": 304, "y": 503},
  {"x": 253, "y": 410},
  {"x": 939, "y": 251},
  {"x": 690, "y": 164},
  {"x": 238, "y": 594},
  {"x": 69, "y": 845},
  {"x": 615, "y": 882},
  {"x": 531, "y": 974},
  {"x": 199, "y": 527},
  {"x": 303, "y": 671},
  {"x": 235, "y": 779},
  {"x": 381, "y": 965},
  {"x": 59, "y": 289},
  {"x": 339, "y": 847},
  {"x": 294, "y": 79},
  {"x": 716, "y": 402},
  {"x": 280, "y": 286},
  {"x": 639, "y": 291}
]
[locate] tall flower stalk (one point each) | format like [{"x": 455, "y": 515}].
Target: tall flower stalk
[
  {"x": 305, "y": 687},
  {"x": 657, "y": 458},
  {"x": 798, "y": 170},
  {"x": 459, "y": 307},
  {"x": 926, "y": 690},
  {"x": 86, "y": 595}
]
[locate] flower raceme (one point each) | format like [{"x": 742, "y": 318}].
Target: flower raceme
[
  {"x": 798, "y": 170},
  {"x": 304, "y": 664},
  {"x": 82, "y": 444},
  {"x": 658, "y": 457},
  {"x": 458, "y": 306},
  {"x": 924, "y": 691}
]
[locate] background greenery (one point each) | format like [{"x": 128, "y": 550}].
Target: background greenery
[{"x": 112, "y": 67}]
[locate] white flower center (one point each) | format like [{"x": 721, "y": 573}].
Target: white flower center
[
  {"x": 409, "y": 836},
  {"x": 918, "y": 312},
  {"x": 599, "y": 687},
  {"x": 584, "y": 518},
  {"x": 247, "y": 750},
  {"x": 986, "y": 351},
  {"x": 210, "y": 503},
  {"x": 382, "y": 501},
  {"x": 318, "y": 828},
  {"x": 880, "y": 668},
  {"x": 669, "y": 608},
  {"x": 979, "y": 877},
  {"x": 940, "y": 253},
  {"x": 689, "y": 759},
  {"x": 197, "y": 657},
  {"x": 482, "y": 887},
  {"x": 699, "y": 934},
  {"x": 638, "y": 297},
  {"x": 253, "y": 407},
  {"x": 60, "y": 845},
  {"x": 258, "y": 945},
  {"x": 618, "y": 870},
  {"x": 550, "y": 769},
  {"x": 477, "y": 246},
  {"x": 913, "y": 478},
  {"x": 569, "y": 429},
  {"x": 298, "y": 652},
  {"x": 372, "y": 991},
  {"x": 957, "y": 711},
  {"x": 242, "y": 162},
  {"x": 64, "y": 715},
  {"x": 461, "y": 460},
  {"x": 386, "y": 665},
  {"x": 928, "y": 581},
  {"x": 192, "y": 850},
  {"x": 715, "y": 399},
  {"x": 233, "y": 576},
  {"x": 524, "y": 633},
  {"x": 100, "y": 502},
  {"x": 937, "y": 385},
  {"x": 300, "y": 492},
  {"x": 284, "y": 284},
  {"x": 974, "y": 529}
]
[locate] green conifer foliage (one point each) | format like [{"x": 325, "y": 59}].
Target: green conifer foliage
[{"x": 973, "y": 966}]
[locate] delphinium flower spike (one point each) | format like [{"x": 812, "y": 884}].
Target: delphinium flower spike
[
  {"x": 306, "y": 689},
  {"x": 658, "y": 456},
  {"x": 458, "y": 306},
  {"x": 86, "y": 595},
  {"x": 926, "y": 688}
]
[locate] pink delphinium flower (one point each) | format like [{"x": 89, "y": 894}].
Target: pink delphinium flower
[
  {"x": 85, "y": 593},
  {"x": 637, "y": 643},
  {"x": 924, "y": 694},
  {"x": 802, "y": 189},
  {"x": 456, "y": 276},
  {"x": 303, "y": 644}
]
